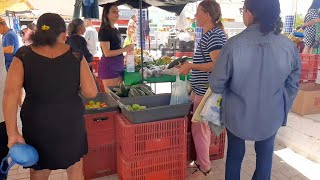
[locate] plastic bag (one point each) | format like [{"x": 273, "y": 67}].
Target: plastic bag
[
  {"x": 179, "y": 93},
  {"x": 211, "y": 110}
]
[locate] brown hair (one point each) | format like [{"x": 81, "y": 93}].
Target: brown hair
[
  {"x": 214, "y": 10},
  {"x": 105, "y": 22}
]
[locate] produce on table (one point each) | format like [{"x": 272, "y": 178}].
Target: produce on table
[
  {"x": 178, "y": 61},
  {"x": 293, "y": 36},
  {"x": 135, "y": 107},
  {"x": 133, "y": 91},
  {"x": 95, "y": 105}
]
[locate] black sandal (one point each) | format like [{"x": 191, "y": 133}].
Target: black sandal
[{"x": 205, "y": 173}]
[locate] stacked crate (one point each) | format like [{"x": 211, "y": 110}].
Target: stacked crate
[
  {"x": 151, "y": 151},
  {"x": 216, "y": 149},
  {"x": 309, "y": 67},
  {"x": 100, "y": 124}
]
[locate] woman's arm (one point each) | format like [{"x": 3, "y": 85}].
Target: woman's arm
[
  {"x": 311, "y": 23},
  {"x": 11, "y": 99},
  {"x": 85, "y": 51},
  {"x": 87, "y": 83},
  {"x": 206, "y": 67},
  {"x": 105, "y": 46}
]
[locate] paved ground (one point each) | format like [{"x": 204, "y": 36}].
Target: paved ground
[{"x": 281, "y": 170}]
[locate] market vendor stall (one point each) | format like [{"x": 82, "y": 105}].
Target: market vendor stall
[
  {"x": 131, "y": 78},
  {"x": 152, "y": 129}
]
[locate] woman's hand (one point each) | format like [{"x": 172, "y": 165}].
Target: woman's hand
[
  {"x": 129, "y": 48},
  {"x": 14, "y": 139},
  {"x": 185, "y": 68}
]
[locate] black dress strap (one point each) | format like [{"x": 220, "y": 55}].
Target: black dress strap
[{"x": 22, "y": 52}]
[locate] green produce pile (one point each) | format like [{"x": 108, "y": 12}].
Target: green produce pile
[
  {"x": 132, "y": 91},
  {"x": 95, "y": 105},
  {"x": 135, "y": 107}
]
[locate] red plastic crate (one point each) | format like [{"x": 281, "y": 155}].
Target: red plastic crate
[
  {"x": 216, "y": 150},
  {"x": 100, "y": 128},
  {"x": 100, "y": 122},
  {"x": 95, "y": 139},
  {"x": 162, "y": 167},
  {"x": 95, "y": 64},
  {"x": 100, "y": 85},
  {"x": 309, "y": 67},
  {"x": 100, "y": 161},
  {"x": 151, "y": 139},
  {"x": 180, "y": 54}
]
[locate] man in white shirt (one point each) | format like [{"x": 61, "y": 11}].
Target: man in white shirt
[{"x": 91, "y": 37}]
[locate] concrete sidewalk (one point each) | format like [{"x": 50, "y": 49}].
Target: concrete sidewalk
[{"x": 281, "y": 169}]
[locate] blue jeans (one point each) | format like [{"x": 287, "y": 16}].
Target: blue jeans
[
  {"x": 3, "y": 148},
  {"x": 5, "y": 166},
  {"x": 236, "y": 150}
]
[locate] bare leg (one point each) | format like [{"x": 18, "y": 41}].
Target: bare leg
[
  {"x": 39, "y": 174},
  {"x": 307, "y": 50},
  {"x": 75, "y": 171}
]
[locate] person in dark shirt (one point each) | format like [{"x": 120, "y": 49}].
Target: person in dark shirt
[
  {"x": 112, "y": 61},
  {"x": 76, "y": 30}
]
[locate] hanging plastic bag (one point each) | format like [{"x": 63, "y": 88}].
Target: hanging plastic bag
[
  {"x": 179, "y": 94},
  {"x": 211, "y": 110}
]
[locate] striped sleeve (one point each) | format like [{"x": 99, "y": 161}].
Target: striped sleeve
[{"x": 215, "y": 43}]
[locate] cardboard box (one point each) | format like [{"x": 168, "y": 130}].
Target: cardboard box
[{"x": 307, "y": 100}]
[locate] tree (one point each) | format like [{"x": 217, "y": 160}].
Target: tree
[{"x": 299, "y": 21}]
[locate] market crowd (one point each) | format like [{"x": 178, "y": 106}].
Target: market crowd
[{"x": 257, "y": 73}]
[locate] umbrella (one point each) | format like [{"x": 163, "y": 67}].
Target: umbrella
[{"x": 175, "y": 6}]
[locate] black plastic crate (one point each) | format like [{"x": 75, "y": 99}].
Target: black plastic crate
[{"x": 158, "y": 108}]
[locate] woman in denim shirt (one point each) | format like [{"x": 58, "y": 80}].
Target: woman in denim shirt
[{"x": 258, "y": 72}]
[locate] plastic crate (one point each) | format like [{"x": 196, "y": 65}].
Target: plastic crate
[
  {"x": 162, "y": 167},
  {"x": 216, "y": 150},
  {"x": 180, "y": 54},
  {"x": 100, "y": 121},
  {"x": 95, "y": 64},
  {"x": 186, "y": 46},
  {"x": 309, "y": 67},
  {"x": 116, "y": 97},
  {"x": 158, "y": 108},
  {"x": 151, "y": 139},
  {"x": 102, "y": 97},
  {"x": 99, "y": 84},
  {"x": 96, "y": 138},
  {"x": 167, "y": 52},
  {"x": 100, "y": 161}
]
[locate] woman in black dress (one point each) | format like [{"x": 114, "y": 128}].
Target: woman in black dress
[{"x": 52, "y": 113}]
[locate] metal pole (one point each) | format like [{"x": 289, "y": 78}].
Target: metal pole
[{"x": 141, "y": 38}]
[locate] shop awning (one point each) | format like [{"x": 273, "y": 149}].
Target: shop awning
[
  {"x": 175, "y": 6},
  {"x": 14, "y": 5}
]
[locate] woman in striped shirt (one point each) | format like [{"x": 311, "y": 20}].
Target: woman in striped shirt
[{"x": 209, "y": 18}]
